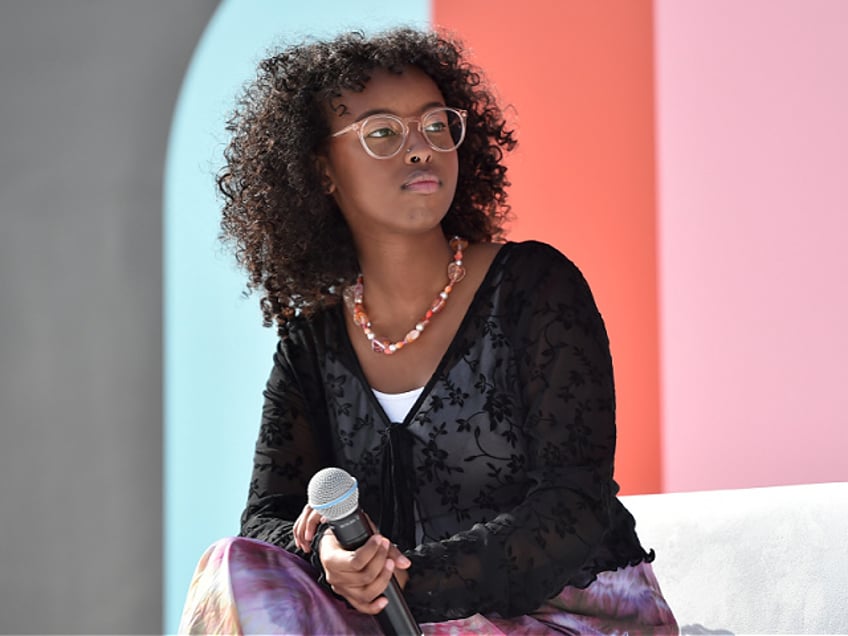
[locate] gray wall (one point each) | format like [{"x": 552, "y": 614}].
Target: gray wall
[{"x": 87, "y": 89}]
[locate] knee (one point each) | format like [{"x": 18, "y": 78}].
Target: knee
[
  {"x": 244, "y": 551},
  {"x": 224, "y": 544},
  {"x": 236, "y": 547}
]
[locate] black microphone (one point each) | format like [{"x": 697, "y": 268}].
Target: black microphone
[{"x": 334, "y": 493}]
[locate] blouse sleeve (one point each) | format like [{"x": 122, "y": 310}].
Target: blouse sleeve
[
  {"x": 287, "y": 454},
  {"x": 525, "y": 555}
]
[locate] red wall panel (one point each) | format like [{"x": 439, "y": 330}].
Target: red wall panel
[{"x": 578, "y": 78}]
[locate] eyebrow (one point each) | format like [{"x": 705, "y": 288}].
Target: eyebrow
[{"x": 385, "y": 111}]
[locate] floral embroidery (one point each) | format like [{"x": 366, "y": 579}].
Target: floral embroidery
[{"x": 512, "y": 443}]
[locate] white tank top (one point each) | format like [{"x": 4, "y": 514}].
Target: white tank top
[{"x": 397, "y": 405}]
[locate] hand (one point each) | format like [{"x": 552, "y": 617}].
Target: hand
[
  {"x": 362, "y": 575},
  {"x": 304, "y": 528}
]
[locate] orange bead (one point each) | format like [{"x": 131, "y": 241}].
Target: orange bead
[
  {"x": 458, "y": 244},
  {"x": 360, "y": 317}
]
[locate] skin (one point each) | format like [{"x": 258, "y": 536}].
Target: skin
[
  {"x": 361, "y": 575},
  {"x": 375, "y": 195},
  {"x": 394, "y": 208}
]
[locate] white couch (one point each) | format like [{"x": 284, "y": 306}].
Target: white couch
[{"x": 751, "y": 561}]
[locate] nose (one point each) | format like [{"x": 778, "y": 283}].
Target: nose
[{"x": 417, "y": 148}]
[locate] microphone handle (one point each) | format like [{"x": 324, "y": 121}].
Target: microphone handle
[
  {"x": 352, "y": 531},
  {"x": 395, "y": 619}
]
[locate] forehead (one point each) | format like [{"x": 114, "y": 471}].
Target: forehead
[{"x": 404, "y": 93}]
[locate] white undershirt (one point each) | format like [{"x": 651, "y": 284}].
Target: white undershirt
[{"x": 397, "y": 405}]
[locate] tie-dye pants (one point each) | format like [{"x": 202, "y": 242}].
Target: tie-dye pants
[{"x": 243, "y": 586}]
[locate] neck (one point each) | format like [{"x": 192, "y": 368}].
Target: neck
[
  {"x": 396, "y": 310},
  {"x": 403, "y": 272}
]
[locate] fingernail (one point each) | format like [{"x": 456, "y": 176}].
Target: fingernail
[
  {"x": 390, "y": 565},
  {"x": 404, "y": 561}
]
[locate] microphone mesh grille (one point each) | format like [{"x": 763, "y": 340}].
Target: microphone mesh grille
[{"x": 329, "y": 485}]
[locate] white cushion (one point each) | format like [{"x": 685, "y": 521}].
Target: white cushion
[{"x": 758, "y": 560}]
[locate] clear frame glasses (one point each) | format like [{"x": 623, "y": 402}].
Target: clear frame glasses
[{"x": 383, "y": 135}]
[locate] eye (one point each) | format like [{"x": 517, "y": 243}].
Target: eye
[
  {"x": 382, "y": 127},
  {"x": 381, "y": 133},
  {"x": 436, "y": 127}
]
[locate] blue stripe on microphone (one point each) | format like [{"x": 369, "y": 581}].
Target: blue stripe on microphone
[{"x": 337, "y": 500}]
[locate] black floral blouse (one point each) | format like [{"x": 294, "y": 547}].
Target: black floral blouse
[{"x": 498, "y": 485}]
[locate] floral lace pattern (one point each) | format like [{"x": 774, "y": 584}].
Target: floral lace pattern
[{"x": 498, "y": 485}]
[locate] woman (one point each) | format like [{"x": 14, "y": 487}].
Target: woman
[{"x": 466, "y": 383}]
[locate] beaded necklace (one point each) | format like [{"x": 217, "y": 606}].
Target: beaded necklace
[{"x": 354, "y": 297}]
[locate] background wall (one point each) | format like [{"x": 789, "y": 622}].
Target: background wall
[
  {"x": 753, "y": 191},
  {"x": 87, "y": 92},
  {"x": 579, "y": 84},
  {"x": 217, "y": 355},
  {"x": 687, "y": 154}
]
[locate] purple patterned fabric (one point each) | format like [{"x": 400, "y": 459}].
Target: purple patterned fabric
[{"x": 244, "y": 586}]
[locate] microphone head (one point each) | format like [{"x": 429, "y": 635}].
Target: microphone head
[{"x": 333, "y": 492}]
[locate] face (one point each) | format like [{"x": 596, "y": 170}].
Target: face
[{"x": 410, "y": 192}]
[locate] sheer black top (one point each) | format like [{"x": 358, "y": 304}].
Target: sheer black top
[{"x": 498, "y": 485}]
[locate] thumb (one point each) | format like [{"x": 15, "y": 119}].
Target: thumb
[{"x": 400, "y": 559}]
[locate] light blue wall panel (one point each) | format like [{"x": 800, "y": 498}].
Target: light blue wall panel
[{"x": 217, "y": 355}]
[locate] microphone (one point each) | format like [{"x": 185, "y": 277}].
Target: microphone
[{"x": 334, "y": 493}]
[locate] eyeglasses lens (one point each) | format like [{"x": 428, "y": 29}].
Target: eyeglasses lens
[
  {"x": 384, "y": 135},
  {"x": 443, "y": 128}
]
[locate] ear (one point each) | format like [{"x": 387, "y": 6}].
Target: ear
[{"x": 322, "y": 165}]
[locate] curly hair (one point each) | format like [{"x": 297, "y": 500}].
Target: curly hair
[{"x": 287, "y": 232}]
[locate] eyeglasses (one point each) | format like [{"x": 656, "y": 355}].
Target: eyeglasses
[{"x": 384, "y": 135}]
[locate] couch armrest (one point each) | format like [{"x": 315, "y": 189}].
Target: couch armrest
[{"x": 756, "y": 560}]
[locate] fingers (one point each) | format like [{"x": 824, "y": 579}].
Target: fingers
[
  {"x": 402, "y": 564},
  {"x": 361, "y": 575},
  {"x": 354, "y": 565},
  {"x": 400, "y": 559},
  {"x": 368, "y": 599},
  {"x": 305, "y": 526}
]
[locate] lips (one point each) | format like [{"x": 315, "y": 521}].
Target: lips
[{"x": 422, "y": 181}]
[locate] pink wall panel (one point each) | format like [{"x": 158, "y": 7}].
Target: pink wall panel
[{"x": 752, "y": 122}]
